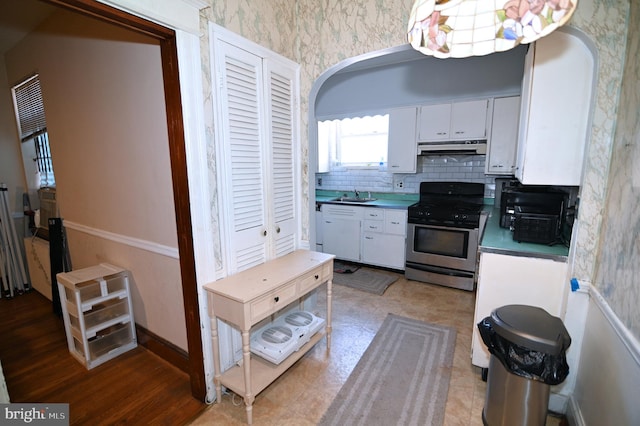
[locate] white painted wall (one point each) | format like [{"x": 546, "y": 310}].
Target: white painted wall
[
  {"x": 608, "y": 377},
  {"x": 11, "y": 169},
  {"x": 104, "y": 100}
]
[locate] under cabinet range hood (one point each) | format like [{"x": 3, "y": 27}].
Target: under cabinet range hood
[{"x": 454, "y": 147}]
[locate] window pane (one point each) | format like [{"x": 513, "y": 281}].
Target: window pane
[
  {"x": 363, "y": 149},
  {"x": 360, "y": 141}
]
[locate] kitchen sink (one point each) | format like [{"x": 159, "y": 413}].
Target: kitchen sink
[{"x": 355, "y": 200}]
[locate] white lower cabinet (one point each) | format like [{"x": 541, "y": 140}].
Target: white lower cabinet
[
  {"x": 341, "y": 231},
  {"x": 384, "y": 234},
  {"x": 515, "y": 280},
  {"x": 370, "y": 235}
]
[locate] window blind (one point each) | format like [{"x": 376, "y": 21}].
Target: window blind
[{"x": 29, "y": 108}]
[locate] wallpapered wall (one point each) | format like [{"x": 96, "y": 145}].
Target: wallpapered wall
[
  {"x": 320, "y": 33},
  {"x": 618, "y": 266}
]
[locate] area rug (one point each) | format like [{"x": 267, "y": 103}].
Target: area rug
[
  {"x": 402, "y": 378},
  {"x": 344, "y": 268},
  {"x": 365, "y": 280}
]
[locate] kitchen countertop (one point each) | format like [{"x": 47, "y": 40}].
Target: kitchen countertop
[
  {"x": 494, "y": 238},
  {"x": 383, "y": 200},
  {"x": 500, "y": 240}
]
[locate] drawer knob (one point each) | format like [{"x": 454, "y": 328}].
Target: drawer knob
[{"x": 276, "y": 299}]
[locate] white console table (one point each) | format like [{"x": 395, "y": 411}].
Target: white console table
[{"x": 246, "y": 298}]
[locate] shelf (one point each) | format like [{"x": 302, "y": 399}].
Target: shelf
[
  {"x": 89, "y": 304},
  {"x": 102, "y": 326},
  {"x": 263, "y": 373}
]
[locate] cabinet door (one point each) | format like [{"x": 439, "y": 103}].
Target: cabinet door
[
  {"x": 502, "y": 145},
  {"x": 556, "y": 105},
  {"x": 256, "y": 155},
  {"x": 383, "y": 250},
  {"x": 342, "y": 238},
  {"x": 402, "y": 147},
  {"x": 281, "y": 208},
  {"x": 434, "y": 122},
  {"x": 469, "y": 120},
  {"x": 243, "y": 146}
]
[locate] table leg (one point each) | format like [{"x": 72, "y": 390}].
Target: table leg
[
  {"x": 329, "y": 292},
  {"x": 246, "y": 364},
  {"x": 216, "y": 358}
]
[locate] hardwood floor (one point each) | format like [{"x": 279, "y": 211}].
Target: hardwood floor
[{"x": 137, "y": 387}]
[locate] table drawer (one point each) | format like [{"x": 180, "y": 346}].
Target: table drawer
[
  {"x": 314, "y": 278},
  {"x": 273, "y": 301}
]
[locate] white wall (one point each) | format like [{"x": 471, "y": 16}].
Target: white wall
[
  {"x": 608, "y": 379},
  {"x": 11, "y": 169},
  {"x": 104, "y": 101}
]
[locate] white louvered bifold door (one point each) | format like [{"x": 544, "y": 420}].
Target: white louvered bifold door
[
  {"x": 280, "y": 84},
  {"x": 244, "y": 143}
]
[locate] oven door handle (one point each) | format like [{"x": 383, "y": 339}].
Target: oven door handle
[{"x": 438, "y": 270}]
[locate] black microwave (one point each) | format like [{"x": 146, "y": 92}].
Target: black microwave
[{"x": 534, "y": 214}]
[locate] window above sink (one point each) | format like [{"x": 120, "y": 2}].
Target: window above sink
[{"x": 359, "y": 142}]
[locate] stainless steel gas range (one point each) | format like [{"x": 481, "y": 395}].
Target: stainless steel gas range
[{"x": 443, "y": 233}]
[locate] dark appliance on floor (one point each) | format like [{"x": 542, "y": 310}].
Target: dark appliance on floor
[
  {"x": 534, "y": 214},
  {"x": 443, "y": 233}
]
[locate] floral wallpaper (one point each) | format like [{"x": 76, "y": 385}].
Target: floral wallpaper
[
  {"x": 619, "y": 253},
  {"x": 318, "y": 34}
]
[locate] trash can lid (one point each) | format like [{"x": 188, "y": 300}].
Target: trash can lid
[{"x": 531, "y": 327}]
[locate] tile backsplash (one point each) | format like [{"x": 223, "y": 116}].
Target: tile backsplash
[{"x": 465, "y": 168}]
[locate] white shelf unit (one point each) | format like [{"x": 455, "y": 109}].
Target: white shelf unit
[{"x": 97, "y": 311}]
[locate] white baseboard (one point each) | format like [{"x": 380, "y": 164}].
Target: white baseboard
[{"x": 574, "y": 415}]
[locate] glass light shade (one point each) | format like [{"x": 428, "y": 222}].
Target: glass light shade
[{"x": 462, "y": 28}]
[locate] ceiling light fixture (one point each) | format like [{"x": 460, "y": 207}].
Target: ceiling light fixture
[{"x": 463, "y": 28}]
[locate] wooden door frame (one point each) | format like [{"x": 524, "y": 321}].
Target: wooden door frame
[{"x": 178, "y": 157}]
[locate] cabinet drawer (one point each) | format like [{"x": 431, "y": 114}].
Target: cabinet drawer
[
  {"x": 373, "y": 226},
  {"x": 374, "y": 214},
  {"x": 97, "y": 288},
  {"x": 106, "y": 311},
  {"x": 273, "y": 301},
  {"x": 109, "y": 339},
  {"x": 396, "y": 222}
]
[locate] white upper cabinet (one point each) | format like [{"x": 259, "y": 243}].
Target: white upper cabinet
[
  {"x": 434, "y": 122},
  {"x": 256, "y": 138},
  {"x": 402, "y": 145},
  {"x": 503, "y": 140},
  {"x": 469, "y": 120},
  {"x": 556, "y": 104},
  {"x": 453, "y": 121}
]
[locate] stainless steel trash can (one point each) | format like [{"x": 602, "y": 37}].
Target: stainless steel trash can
[{"x": 523, "y": 399}]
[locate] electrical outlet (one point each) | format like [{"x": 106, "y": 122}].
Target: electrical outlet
[{"x": 399, "y": 184}]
